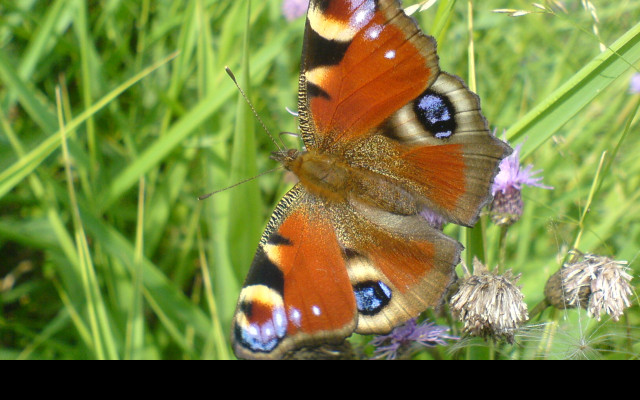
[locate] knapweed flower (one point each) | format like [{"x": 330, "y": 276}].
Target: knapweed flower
[
  {"x": 507, "y": 205},
  {"x": 293, "y": 9},
  {"x": 433, "y": 219},
  {"x": 403, "y": 340},
  {"x": 489, "y": 305},
  {"x": 634, "y": 84},
  {"x": 598, "y": 284}
]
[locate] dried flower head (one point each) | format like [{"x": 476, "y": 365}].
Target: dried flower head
[
  {"x": 402, "y": 341},
  {"x": 489, "y": 304},
  {"x": 634, "y": 84},
  {"x": 598, "y": 284},
  {"x": 293, "y": 9},
  {"x": 507, "y": 205}
]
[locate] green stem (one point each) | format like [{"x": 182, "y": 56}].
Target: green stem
[{"x": 502, "y": 248}]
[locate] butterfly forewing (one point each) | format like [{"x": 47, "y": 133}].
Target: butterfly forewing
[{"x": 362, "y": 61}]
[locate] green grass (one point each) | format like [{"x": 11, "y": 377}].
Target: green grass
[{"x": 115, "y": 116}]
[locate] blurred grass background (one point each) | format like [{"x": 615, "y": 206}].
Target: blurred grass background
[{"x": 105, "y": 251}]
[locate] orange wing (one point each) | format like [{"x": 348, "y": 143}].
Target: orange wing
[
  {"x": 372, "y": 94},
  {"x": 362, "y": 61},
  {"x": 297, "y": 291},
  {"x": 398, "y": 265},
  {"x": 444, "y": 150}
]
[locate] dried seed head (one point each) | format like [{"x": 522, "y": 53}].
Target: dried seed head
[
  {"x": 490, "y": 305},
  {"x": 596, "y": 283}
]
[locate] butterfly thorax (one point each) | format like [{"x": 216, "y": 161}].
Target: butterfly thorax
[{"x": 327, "y": 177}]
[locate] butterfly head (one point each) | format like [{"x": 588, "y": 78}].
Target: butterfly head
[{"x": 285, "y": 157}]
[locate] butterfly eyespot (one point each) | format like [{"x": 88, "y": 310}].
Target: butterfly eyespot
[
  {"x": 261, "y": 321},
  {"x": 262, "y": 337},
  {"x": 436, "y": 113},
  {"x": 371, "y": 296}
]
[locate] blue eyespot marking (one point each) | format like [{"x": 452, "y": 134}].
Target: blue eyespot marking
[
  {"x": 263, "y": 336},
  {"x": 436, "y": 113},
  {"x": 371, "y": 296}
]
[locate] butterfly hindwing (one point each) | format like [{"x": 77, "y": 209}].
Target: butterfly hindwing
[
  {"x": 321, "y": 273},
  {"x": 398, "y": 265},
  {"x": 448, "y": 155}
]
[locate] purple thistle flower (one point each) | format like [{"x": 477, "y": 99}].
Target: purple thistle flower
[
  {"x": 433, "y": 219},
  {"x": 293, "y": 9},
  {"x": 634, "y": 85},
  {"x": 512, "y": 176},
  {"x": 402, "y": 338},
  {"x": 507, "y": 187}
]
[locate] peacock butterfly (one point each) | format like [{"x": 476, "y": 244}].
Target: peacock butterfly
[{"x": 387, "y": 137}]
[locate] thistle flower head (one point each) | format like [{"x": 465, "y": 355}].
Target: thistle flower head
[
  {"x": 598, "y": 284},
  {"x": 403, "y": 339},
  {"x": 433, "y": 219},
  {"x": 293, "y": 9},
  {"x": 634, "y": 84},
  {"x": 489, "y": 304},
  {"x": 507, "y": 187}
]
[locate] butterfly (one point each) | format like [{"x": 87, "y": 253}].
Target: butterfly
[{"x": 387, "y": 137}]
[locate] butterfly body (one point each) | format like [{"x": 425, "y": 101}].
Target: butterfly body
[
  {"x": 335, "y": 181},
  {"x": 387, "y": 136}
]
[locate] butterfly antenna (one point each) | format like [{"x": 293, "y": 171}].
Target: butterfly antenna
[
  {"x": 233, "y": 78},
  {"x": 206, "y": 196}
]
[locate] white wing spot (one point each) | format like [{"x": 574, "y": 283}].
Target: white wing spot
[
  {"x": 374, "y": 32},
  {"x": 294, "y": 315}
]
